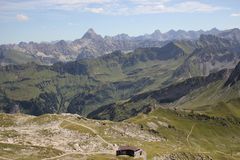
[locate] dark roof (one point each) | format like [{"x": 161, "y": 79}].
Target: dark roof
[{"x": 128, "y": 148}]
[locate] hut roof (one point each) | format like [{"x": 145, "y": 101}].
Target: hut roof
[{"x": 128, "y": 148}]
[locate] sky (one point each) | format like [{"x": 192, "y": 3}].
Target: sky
[{"x": 49, "y": 20}]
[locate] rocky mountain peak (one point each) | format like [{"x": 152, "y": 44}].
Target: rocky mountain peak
[
  {"x": 171, "y": 31},
  {"x": 181, "y": 31},
  {"x": 214, "y": 30},
  {"x": 61, "y": 43},
  {"x": 157, "y": 35},
  {"x": 91, "y": 34},
  {"x": 157, "y": 31},
  {"x": 90, "y": 30},
  {"x": 122, "y": 37}
]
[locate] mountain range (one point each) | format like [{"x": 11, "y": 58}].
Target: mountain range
[
  {"x": 86, "y": 86},
  {"x": 176, "y": 95},
  {"x": 93, "y": 45}
]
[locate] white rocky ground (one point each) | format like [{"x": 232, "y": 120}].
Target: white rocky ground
[
  {"x": 51, "y": 135},
  {"x": 93, "y": 136}
]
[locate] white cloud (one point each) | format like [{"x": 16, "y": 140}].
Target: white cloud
[
  {"x": 194, "y": 6},
  {"x": 95, "y": 10},
  {"x": 235, "y": 15},
  {"x": 13, "y": 5},
  {"x": 111, "y": 7},
  {"x": 74, "y": 4},
  {"x": 162, "y": 6},
  {"x": 149, "y": 2},
  {"x": 22, "y": 18}
]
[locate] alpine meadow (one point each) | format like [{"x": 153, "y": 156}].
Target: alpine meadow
[{"x": 173, "y": 94}]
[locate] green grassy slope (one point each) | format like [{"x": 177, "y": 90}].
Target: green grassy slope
[
  {"x": 161, "y": 133},
  {"x": 194, "y": 133},
  {"x": 193, "y": 92},
  {"x": 83, "y": 86},
  {"x": 14, "y": 57},
  {"x": 214, "y": 99}
]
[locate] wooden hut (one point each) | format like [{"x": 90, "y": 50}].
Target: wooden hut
[{"x": 130, "y": 151}]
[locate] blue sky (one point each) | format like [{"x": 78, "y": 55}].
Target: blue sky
[{"x": 48, "y": 20}]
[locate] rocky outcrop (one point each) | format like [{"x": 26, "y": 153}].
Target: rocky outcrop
[
  {"x": 183, "y": 156},
  {"x": 211, "y": 54},
  {"x": 233, "y": 34},
  {"x": 234, "y": 77}
]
